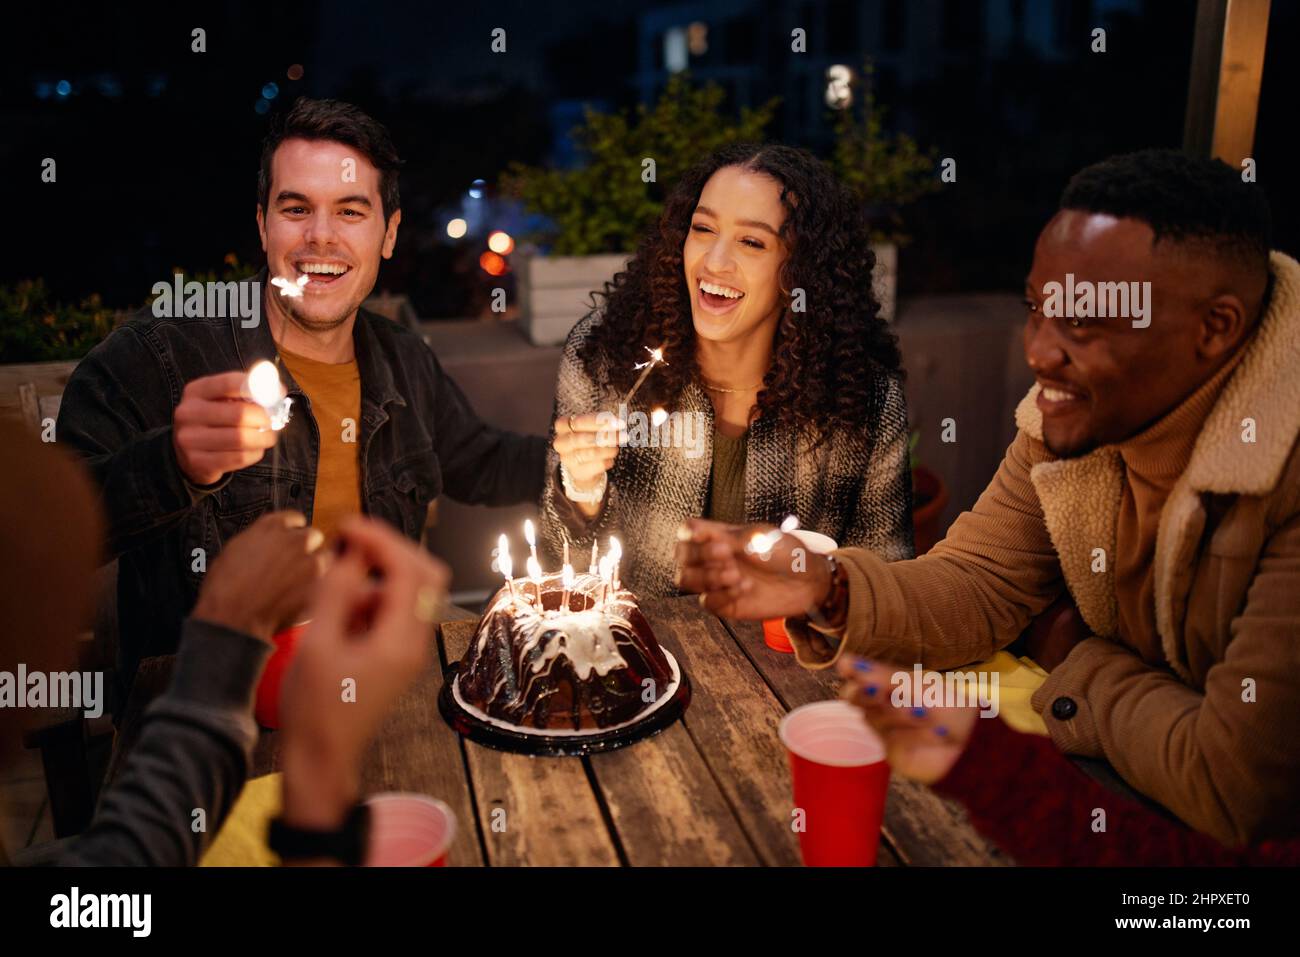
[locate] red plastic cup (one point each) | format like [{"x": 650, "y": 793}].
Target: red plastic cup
[
  {"x": 266, "y": 708},
  {"x": 774, "y": 635},
  {"x": 840, "y": 777},
  {"x": 409, "y": 830}
]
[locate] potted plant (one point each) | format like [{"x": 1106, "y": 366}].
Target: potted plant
[
  {"x": 929, "y": 499},
  {"x": 598, "y": 211},
  {"x": 886, "y": 172}
]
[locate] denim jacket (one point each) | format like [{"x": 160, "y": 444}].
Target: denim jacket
[{"x": 418, "y": 437}]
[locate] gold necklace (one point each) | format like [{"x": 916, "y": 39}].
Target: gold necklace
[{"x": 718, "y": 388}]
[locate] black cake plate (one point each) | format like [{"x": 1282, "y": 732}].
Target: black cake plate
[{"x": 556, "y": 746}]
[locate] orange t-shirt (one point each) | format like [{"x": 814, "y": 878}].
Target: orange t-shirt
[{"x": 335, "y": 394}]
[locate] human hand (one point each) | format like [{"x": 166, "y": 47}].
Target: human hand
[
  {"x": 215, "y": 430},
  {"x": 920, "y": 743},
  {"x": 734, "y": 582},
  {"x": 264, "y": 576},
  {"x": 587, "y": 445},
  {"x": 371, "y": 625}
]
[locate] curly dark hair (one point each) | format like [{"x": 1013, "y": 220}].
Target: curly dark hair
[
  {"x": 826, "y": 360},
  {"x": 1181, "y": 197}
]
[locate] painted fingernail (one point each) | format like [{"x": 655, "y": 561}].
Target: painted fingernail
[
  {"x": 941, "y": 731},
  {"x": 861, "y": 665},
  {"x": 918, "y": 712},
  {"x": 683, "y": 533},
  {"x": 871, "y": 691}
]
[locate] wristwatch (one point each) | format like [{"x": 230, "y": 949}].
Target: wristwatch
[
  {"x": 823, "y": 615},
  {"x": 573, "y": 494},
  {"x": 348, "y": 844}
]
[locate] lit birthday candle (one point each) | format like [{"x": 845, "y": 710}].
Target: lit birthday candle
[
  {"x": 606, "y": 574},
  {"x": 505, "y": 564},
  {"x": 535, "y": 576},
  {"x": 615, "y": 555},
  {"x": 658, "y": 417},
  {"x": 566, "y": 577},
  {"x": 530, "y": 536},
  {"x": 593, "y": 568}
]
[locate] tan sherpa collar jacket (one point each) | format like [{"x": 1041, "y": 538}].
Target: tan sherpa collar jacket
[{"x": 1214, "y": 735}]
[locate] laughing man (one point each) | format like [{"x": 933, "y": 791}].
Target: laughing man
[
  {"x": 1154, "y": 479},
  {"x": 376, "y": 425}
]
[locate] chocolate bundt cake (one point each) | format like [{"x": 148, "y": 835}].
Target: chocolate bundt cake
[{"x": 587, "y": 667}]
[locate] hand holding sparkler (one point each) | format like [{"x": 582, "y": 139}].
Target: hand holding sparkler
[
  {"x": 216, "y": 429},
  {"x": 750, "y": 571}
]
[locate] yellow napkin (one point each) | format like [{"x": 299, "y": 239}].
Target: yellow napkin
[
  {"x": 241, "y": 842},
  {"x": 1018, "y": 679}
]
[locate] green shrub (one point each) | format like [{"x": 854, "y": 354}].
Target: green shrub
[
  {"x": 885, "y": 171},
  {"x": 36, "y": 328},
  {"x": 605, "y": 206}
]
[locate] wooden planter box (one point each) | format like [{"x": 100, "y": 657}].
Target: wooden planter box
[{"x": 555, "y": 292}]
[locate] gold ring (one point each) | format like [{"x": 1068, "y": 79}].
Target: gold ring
[
  {"x": 570, "y": 424},
  {"x": 427, "y": 601}
]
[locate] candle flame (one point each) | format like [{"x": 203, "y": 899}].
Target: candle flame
[
  {"x": 615, "y": 549},
  {"x": 503, "y": 556},
  {"x": 529, "y": 535},
  {"x": 264, "y": 385},
  {"x": 566, "y": 576},
  {"x": 658, "y": 417},
  {"x": 534, "y": 569}
]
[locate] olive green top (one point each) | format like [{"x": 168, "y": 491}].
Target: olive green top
[{"x": 727, "y": 483}]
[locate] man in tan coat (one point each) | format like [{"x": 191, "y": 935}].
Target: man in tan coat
[{"x": 1154, "y": 479}]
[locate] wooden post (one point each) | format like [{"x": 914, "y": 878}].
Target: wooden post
[{"x": 1223, "y": 89}]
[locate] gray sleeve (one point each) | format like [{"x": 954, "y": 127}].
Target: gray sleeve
[
  {"x": 882, "y": 521},
  {"x": 193, "y": 754},
  {"x": 576, "y": 392}
]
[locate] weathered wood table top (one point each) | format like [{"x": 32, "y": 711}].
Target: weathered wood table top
[{"x": 714, "y": 788}]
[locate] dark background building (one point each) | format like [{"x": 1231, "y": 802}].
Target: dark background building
[{"x": 157, "y": 145}]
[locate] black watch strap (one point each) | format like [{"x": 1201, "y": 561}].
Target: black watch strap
[{"x": 347, "y": 844}]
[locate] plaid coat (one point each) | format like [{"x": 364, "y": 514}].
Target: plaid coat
[{"x": 856, "y": 487}]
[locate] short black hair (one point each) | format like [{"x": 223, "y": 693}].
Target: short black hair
[
  {"x": 1181, "y": 197},
  {"x": 341, "y": 122}
]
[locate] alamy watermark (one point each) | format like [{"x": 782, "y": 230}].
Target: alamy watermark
[
  {"x": 659, "y": 429},
  {"x": 79, "y": 690},
  {"x": 178, "y": 299},
  {"x": 1099, "y": 300},
  {"x": 946, "y": 689}
]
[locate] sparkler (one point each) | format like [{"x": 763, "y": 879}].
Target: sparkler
[
  {"x": 656, "y": 357},
  {"x": 266, "y": 389},
  {"x": 292, "y": 289},
  {"x": 760, "y": 543}
]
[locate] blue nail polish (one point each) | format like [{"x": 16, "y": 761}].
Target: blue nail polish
[
  {"x": 871, "y": 691},
  {"x": 861, "y": 665},
  {"x": 941, "y": 731},
  {"x": 918, "y": 712}
]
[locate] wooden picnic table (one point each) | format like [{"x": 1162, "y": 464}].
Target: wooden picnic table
[{"x": 711, "y": 789}]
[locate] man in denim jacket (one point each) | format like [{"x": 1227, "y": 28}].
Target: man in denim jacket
[{"x": 158, "y": 409}]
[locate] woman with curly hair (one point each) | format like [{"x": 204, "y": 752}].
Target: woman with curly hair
[{"x": 781, "y": 382}]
